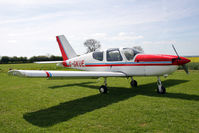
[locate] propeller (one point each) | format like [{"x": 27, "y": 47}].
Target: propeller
[
  {"x": 185, "y": 69},
  {"x": 183, "y": 66}
]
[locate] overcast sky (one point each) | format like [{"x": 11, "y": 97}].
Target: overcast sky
[{"x": 29, "y": 27}]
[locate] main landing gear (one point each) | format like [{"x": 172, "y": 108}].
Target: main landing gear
[
  {"x": 160, "y": 89},
  {"x": 103, "y": 89},
  {"x": 133, "y": 83}
]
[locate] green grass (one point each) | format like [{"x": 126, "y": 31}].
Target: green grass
[
  {"x": 40, "y": 105},
  {"x": 193, "y": 65},
  {"x": 194, "y": 59}
]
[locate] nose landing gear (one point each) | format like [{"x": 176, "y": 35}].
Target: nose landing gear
[{"x": 160, "y": 89}]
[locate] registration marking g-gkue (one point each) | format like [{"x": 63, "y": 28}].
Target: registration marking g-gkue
[{"x": 80, "y": 63}]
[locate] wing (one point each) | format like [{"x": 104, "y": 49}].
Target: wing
[{"x": 64, "y": 74}]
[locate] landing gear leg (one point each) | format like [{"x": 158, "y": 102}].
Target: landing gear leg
[
  {"x": 133, "y": 83},
  {"x": 160, "y": 89},
  {"x": 103, "y": 89}
]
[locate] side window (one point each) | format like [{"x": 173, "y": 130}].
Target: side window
[
  {"x": 98, "y": 56},
  {"x": 114, "y": 55}
]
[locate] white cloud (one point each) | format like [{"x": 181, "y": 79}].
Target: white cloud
[
  {"x": 12, "y": 41},
  {"x": 36, "y": 2},
  {"x": 159, "y": 42},
  {"x": 122, "y": 36}
]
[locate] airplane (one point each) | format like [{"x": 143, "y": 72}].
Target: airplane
[{"x": 113, "y": 62}]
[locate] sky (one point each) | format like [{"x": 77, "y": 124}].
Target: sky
[{"x": 29, "y": 27}]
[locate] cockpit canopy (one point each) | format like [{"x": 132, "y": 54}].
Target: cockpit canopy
[{"x": 116, "y": 54}]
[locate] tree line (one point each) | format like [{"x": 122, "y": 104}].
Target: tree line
[
  {"x": 91, "y": 44},
  {"x": 17, "y": 60}
]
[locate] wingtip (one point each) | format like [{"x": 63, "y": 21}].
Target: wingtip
[{"x": 16, "y": 73}]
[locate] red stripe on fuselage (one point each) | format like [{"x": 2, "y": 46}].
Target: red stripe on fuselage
[
  {"x": 47, "y": 74},
  {"x": 105, "y": 65},
  {"x": 62, "y": 49},
  {"x": 108, "y": 65}
]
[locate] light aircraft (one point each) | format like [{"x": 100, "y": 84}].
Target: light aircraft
[{"x": 114, "y": 62}]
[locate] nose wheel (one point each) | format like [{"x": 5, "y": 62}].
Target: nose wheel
[
  {"x": 133, "y": 83},
  {"x": 103, "y": 89},
  {"x": 160, "y": 89}
]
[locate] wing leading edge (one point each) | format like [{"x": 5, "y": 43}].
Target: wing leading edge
[{"x": 63, "y": 74}]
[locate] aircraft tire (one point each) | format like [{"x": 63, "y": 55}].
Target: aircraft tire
[
  {"x": 103, "y": 89},
  {"x": 162, "y": 90},
  {"x": 134, "y": 83}
]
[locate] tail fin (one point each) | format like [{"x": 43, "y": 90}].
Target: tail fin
[{"x": 66, "y": 49}]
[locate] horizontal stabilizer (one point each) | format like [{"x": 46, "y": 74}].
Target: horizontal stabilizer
[
  {"x": 63, "y": 74},
  {"x": 48, "y": 62}
]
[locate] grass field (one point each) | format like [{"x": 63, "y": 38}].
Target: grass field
[
  {"x": 191, "y": 66},
  {"x": 40, "y": 105},
  {"x": 194, "y": 59}
]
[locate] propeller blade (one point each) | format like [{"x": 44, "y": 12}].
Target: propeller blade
[
  {"x": 185, "y": 69},
  {"x": 176, "y": 52},
  {"x": 183, "y": 66}
]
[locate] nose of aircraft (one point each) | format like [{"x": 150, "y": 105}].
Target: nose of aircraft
[
  {"x": 181, "y": 61},
  {"x": 176, "y": 60}
]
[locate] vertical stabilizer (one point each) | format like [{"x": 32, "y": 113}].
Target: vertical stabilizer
[{"x": 66, "y": 50}]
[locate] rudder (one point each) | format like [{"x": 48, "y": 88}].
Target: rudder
[{"x": 66, "y": 50}]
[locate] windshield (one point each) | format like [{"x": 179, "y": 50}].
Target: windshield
[{"x": 130, "y": 53}]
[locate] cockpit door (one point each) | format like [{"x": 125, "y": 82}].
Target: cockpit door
[{"x": 114, "y": 58}]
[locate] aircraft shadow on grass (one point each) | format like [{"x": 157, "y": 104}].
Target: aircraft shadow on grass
[{"x": 70, "y": 109}]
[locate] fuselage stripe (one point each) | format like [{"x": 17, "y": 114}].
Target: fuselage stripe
[
  {"x": 127, "y": 63},
  {"x": 151, "y": 63},
  {"x": 48, "y": 74}
]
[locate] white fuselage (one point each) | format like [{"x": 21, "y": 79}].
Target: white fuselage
[{"x": 129, "y": 68}]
